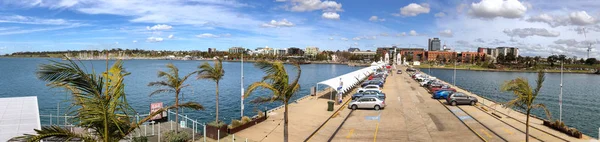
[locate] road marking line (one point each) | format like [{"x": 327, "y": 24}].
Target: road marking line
[
  {"x": 376, "y": 129},
  {"x": 508, "y": 131},
  {"x": 486, "y": 133},
  {"x": 350, "y": 133}
]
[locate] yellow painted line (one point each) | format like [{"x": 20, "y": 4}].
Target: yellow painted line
[
  {"x": 508, "y": 131},
  {"x": 350, "y": 133},
  {"x": 486, "y": 133},
  {"x": 376, "y": 129}
]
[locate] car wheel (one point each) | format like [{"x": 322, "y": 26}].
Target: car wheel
[
  {"x": 377, "y": 107},
  {"x": 472, "y": 103},
  {"x": 354, "y": 107},
  {"x": 453, "y": 103}
]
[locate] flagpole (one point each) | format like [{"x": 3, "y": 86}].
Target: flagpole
[
  {"x": 242, "y": 86},
  {"x": 561, "y": 91}
]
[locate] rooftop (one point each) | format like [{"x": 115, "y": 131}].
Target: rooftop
[{"x": 18, "y": 116}]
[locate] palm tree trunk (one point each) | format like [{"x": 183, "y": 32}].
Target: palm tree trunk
[
  {"x": 177, "y": 111},
  {"x": 285, "y": 122},
  {"x": 527, "y": 126},
  {"x": 217, "y": 105}
]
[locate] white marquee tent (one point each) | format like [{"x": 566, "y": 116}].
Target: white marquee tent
[{"x": 349, "y": 80}]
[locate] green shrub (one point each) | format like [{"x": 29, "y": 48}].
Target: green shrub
[
  {"x": 260, "y": 113},
  {"x": 235, "y": 123},
  {"x": 219, "y": 124},
  {"x": 246, "y": 119},
  {"x": 140, "y": 139},
  {"x": 172, "y": 136}
]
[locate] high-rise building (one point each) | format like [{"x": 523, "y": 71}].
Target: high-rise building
[
  {"x": 311, "y": 51},
  {"x": 212, "y": 50},
  {"x": 508, "y": 50},
  {"x": 295, "y": 51},
  {"x": 434, "y": 44}
]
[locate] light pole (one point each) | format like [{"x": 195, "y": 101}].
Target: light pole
[{"x": 561, "y": 91}]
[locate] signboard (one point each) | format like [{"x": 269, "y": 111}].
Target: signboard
[{"x": 155, "y": 107}]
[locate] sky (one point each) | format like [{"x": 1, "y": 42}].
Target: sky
[{"x": 536, "y": 27}]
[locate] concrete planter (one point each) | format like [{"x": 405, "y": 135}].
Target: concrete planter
[
  {"x": 247, "y": 125},
  {"x": 213, "y": 131},
  {"x": 564, "y": 129}
]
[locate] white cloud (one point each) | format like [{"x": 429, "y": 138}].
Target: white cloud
[
  {"x": 544, "y": 18},
  {"x": 330, "y": 38},
  {"x": 480, "y": 40},
  {"x": 159, "y": 27},
  {"x": 525, "y": 32},
  {"x": 384, "y": 34},
  {"x": 154, "y": 39},
  {"x": 568, "y": 42},
  {"x": 413, "y": 33},
  {"x": 170, "y": 36},
  {"x": 32, "y": 30},
  {"x": 331, "y": 15},
  {"x": 440, "y": 14},
  {"x": 33, "y": 20},
  {"x": 356, "y": 38},
  {"x": 134, "y": 41},
  {"x": 490, "y": 9},
  {"x": 280, "y": 23},
  {"x": 413, "y": 9},
  {"x": 207, "y": 35},
  {"x": 375, "y": 19},
  {"x": 312, "y": 5},
  {"x": 446, "y": 33},
  {"x": 403, "y": 33},
  {"x": 581, "y": 18},
  {"x": 344, "y": 39}
]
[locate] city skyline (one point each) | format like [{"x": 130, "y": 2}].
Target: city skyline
[{"x": 534, "y": 26}]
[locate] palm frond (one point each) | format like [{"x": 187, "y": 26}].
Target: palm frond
[
  {"x": 192, "y": 105},
  {"x": 257, "y": 85},
  {"x": 160, "y": 91},
  {"x": 546, "y": 111},
  {"x": 56, "y": 133}
]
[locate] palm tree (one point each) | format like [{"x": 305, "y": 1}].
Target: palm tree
[
  {"x": 172, "y": 83},
  {"x": 525, "y": 97},
  {"x": 99, "y": 100},
  {"x": 214, "y": 73},
  {"x": 277, "y": 80}
]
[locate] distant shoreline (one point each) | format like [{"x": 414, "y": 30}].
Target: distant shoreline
[{"x": 497, "y": 70}]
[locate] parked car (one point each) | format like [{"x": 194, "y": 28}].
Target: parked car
[
  {"x": 369, "y": 93},
  {"x": 372, "y": 82},
  {"x": 410, "y": 70},
  {"x": 426, "y": 80},
  {"x": 379, "y": 79},
  {"x": 444, "y": 87},
  {"x": 459, "y": 98},
  {"x": 368, "y": 87},
  {"x": 399, "y": 72},
  {"x": 367, "y": 102},
  {"x": 442, "y": 94}
]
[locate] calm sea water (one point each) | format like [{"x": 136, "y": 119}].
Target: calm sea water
[
  {"x": 18, "y": 78},
  {"x": 581, "y": 93}
]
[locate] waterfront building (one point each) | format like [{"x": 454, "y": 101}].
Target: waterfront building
[
  {"x": 311, "y": 51},
  {"x": 412, "y": 54},
  {"x": 470, "y": 57},
  {"x": 434, "y": 55},
  {"x": 281, "y": 52},
  {"x": 236, "y": 50},
  {"x": 353, "y": 49},
  {"x": 365, "y": 55},
  {"x": 508, "y": 50},
  {"x": 212, "y": 50},
  {"x": 434, "y": 44},
  {"x": 295, "y": 51}
]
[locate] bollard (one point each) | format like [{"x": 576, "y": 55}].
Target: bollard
[
  {"x": 145, "y": 130},
  {"x": 233, "y": 137},
  {"x": 158, "y": 132},
  {"x": 218, "y": 135},
  {"x": 204, "y": 132},
  {"x": 246, "y": 139}
]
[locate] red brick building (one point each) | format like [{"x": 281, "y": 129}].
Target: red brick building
[
  {"x": 470, "y": 57},
  {"x": 433, "y": 55},
  {"x": 412, "y": 54}
]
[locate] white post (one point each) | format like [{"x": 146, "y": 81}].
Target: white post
[
  {"x": 246, "y": 139},
  {"x": 233, "y": 137},
  {"x": 218, "y": 135},
  {"x": 561, "y": 90},
  {"x": 152, "y": 127},
  {"x": 193, "y": 131},
  {"x": 242, "y": 86},
  {"x": 145, "y": 130},
  {"x": 204, "y": 132},
  {"x": 158, "y": 132}
]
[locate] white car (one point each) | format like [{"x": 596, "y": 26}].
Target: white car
[
  {"x": 424, "y": 81},
  {"x": 367, "y": 102},
  {"x": 369, "y": 87}
]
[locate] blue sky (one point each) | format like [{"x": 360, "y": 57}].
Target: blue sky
[{"x": 537, "y": 27}]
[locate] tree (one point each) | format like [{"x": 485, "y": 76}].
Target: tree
[
  {"x": 439, "y": 58},
  {"x": 172, "y": 83},
  {"x": 99, "y": 100},
  {"x": 525, "y": 97},
  {"x": 214, "y": 73},
  {"x": 552, "y": 59},
  {"x": 409, "y": 58},
  {"x": 500, "y": 58},
  {"x": 277, "y": 81},
  {"x": 591, "y": 61}
]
